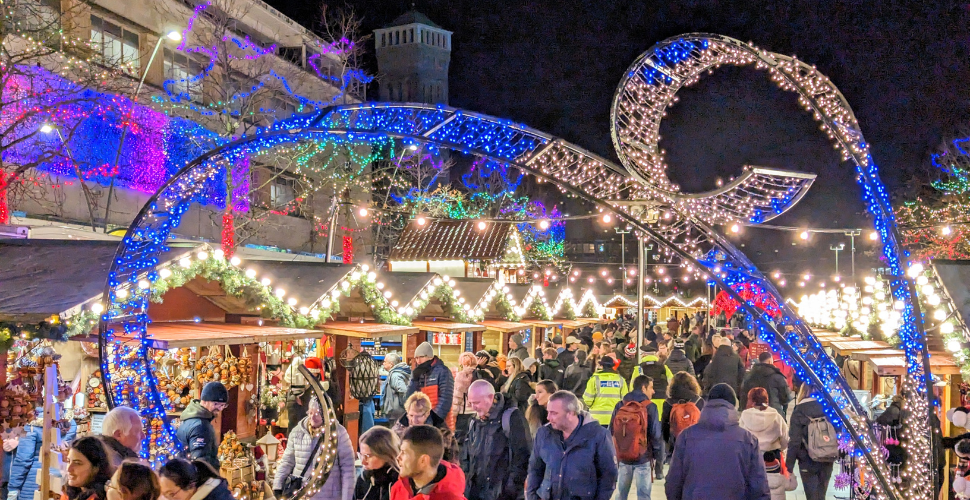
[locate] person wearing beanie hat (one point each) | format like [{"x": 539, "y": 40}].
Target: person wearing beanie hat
[
  {"x": 433, "y": 378},
  {"x": 604, "y": 390},
  {"x": 717, "y": 442},
  {"x": 627, "y": 355},
  {"x": 677, "y": 359},
  {"x": 516, "y": 347},
  {"x": 196, "y": 433}
]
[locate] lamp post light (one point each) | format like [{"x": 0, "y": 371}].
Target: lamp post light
[
  {"x": 837, "y": 248},
  {"x": 173, "y": 36},
  {"x": 852, "y": 234},
  {"x": 623, "y": 233}
]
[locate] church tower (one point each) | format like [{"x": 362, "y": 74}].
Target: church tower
[{"x": 413, "y": 54}]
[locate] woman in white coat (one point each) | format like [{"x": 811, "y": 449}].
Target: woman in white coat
[
  {"x": 299, "y": 446},
  {"x": 771, "y": 429}
]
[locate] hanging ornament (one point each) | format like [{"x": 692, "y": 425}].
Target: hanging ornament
[{"x": 228, "y": 234}]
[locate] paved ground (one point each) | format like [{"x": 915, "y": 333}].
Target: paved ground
[{"x": 799, "y": 494}]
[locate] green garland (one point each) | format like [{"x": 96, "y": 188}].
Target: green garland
[
  {"x": 445, "y": 294},
  {"x": 504, "y": 307},
  {"x": 538, "y": 309},
  {"x": 569, "y": 312},
  {"x": 589, "y": 310}
]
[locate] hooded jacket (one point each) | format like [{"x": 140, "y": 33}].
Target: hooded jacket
[
  {"x": 552, "y": 369},
  {"x": 566, "y": 358},
  {"x": 725, "y": 367},
  {"x": 717, "y": 443},
  {"x": 375, "y": 484},
  {"x": 678, "y": 394},
  {"x": 448, "y": 484},
  {"x": 801, "y": 416},
  {"x": 583, "y": 467},
  {"x": 768, "y": 426},
  {"x": 213, "y": 489},
  {"x": 299, "y": 446},
  {"x": 395, "y": 391},
  {"x": 677, "y": 362},
  {"x": 770, "y": 378},
  {"x": 495, "y": 464},
  {"x": 197, "y": 435},
  {"x": 651, "y": 362},
  {"x": 434, "y": 379},
  {"x": 655, "y": 449}
]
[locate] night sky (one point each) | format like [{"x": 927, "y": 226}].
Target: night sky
[{"x": 554, "y": 65}]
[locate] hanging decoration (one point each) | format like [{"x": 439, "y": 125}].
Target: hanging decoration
[
  {"x": 348, "y": 249},
  {"x": 228, "y": 234}
]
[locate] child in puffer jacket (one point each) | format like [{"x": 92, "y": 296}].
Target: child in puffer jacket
[{"x": 770, "y": 428}]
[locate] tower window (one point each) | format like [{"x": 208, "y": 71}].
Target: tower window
[
  {"x": 422, "y": 35},
  {"x": 412, "y": 35},
  {"x": 383, "y": 39},
  {"x": 397, "y": 38}
]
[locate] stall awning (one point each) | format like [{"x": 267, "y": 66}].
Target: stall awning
[
  {"x": 365, "y": 330},
  {"x": 544, "y": 324},
  {"x": 190, "y": 334},
  {"x": 446, "y": 326},
  {"x": 885, "y": 353},
  {"x": 503, "y": 326},
  {"x": 828, "y": 341},
  {"x": 896, "y": 366},
  {"x": 846, "y": 348},
  {"x": 571, "y": 324}
]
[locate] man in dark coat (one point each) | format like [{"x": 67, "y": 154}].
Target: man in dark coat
[
  {"x": 551, "y": 368},
  {"x": 573, "y": 455},
  {"x": 677, "y": 361},
  {"x": 654, "y": 451},
  {"x": 765, "y": 374},
  {"x": 693, "y": 344},
  {"x": 433, "y": 378},
  {"x": 517, "y": 347},
  {"x": 716, "y": 458},
  {"x": 495, "y": 455},
  {"x": 196, "y": 433},
  {"x": 725, "y": 367},
  {"x": 568, "y": 356}
]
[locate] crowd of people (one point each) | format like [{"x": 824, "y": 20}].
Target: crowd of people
[{"x": 587, "y": 418}]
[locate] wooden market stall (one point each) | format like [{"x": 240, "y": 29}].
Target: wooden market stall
[
  {"x": 853, "y": 371},
  {"x": 450, "y": 339},
  {"x": 542, "y": 331},
  {"x": 497, "y": 333}
]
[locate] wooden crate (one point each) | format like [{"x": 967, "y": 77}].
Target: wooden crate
[{"x": 236, "y": 474}]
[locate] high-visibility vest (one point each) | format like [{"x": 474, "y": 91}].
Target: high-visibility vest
[{"x": 603, "y": 391}]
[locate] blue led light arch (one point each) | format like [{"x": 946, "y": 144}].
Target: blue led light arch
[{"x": 572, "y": 169}]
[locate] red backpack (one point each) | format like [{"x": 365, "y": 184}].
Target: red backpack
[
  {"x": 683, "y": 415},
  {"x": 630, "y": 431}
]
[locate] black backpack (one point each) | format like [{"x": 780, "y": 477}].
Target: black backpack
[{"x": 658, "y": 372}]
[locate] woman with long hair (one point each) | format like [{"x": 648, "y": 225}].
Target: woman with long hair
[
  {"x": 133, "y": 481},
  {"x": 88, "y": 469},
  {"x": 682, "y": 389},
  {"x": 379, "y": 447},
  {"x": 467, "y": 373},
  {"x": 771, "y": 430},
  {"x": 518, "y": 385},
  {"x": 180, "y": 479},
  {"x": 536, "y": 415}
]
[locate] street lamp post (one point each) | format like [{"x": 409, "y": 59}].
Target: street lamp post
[
  {"x": 852, "y": 234},
  {"x": 837, "y": 248},
  {"x": 623, "y": 233},
  {"x": 174, "y": 36}
]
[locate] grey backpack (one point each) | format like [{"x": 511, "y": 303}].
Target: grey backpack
[{"x": 822, "y": 443}]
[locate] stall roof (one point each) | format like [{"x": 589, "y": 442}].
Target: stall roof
[
  {"x": 591, "y": 321},
  {"x": 473, "y": 289},
  {"x": 404, "y": 287},
  {"x": 884, "y": 353},
  {"x": 503, "y": 326},
  {"x": 572, "y": 324},
  {"x": 307, "y": 282},
  {"x": 851, "y": 346},
  {"x": 365, "y": 330},
  {"x": 519, "y": 291},
  {"x": 446, "y": 326},
  {"x": 896, "y": 365},
  {"x": 621, "y": 301},
  {"x": 453, "y": 240}
]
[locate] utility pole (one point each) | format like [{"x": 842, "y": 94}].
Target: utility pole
[
  {"x": 837, "y": 248},
  {"x": 852, "y": 234},
  {"x": 641, "y": 267},
  {"x": 623, "y": 233}
]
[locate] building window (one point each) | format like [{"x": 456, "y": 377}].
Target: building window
[
  {"x": 383, "y": 39},
  {"x": 117, "y": 45},
  {"x": 397, "y": 38},
  {"x": 282, "y": 191},
  {"x": 184, "y": 74},
  {"x": 412, "y": 35},
  {"x": 422, "y": 35}
]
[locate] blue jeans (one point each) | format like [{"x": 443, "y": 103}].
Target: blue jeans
[
  {"x": 366, "y": 415},
  {"x": 643, "y": 474}
]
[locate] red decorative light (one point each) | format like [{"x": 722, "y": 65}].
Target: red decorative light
[
  {"x": 228, "y": 234},
  {"x": 348, "y": 249},
  {"x": 4, "y": 210},
  {"x": 748, "y": 292}
]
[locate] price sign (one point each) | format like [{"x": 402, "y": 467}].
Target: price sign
[
  {"x": 447, "y": 338},
  {"x": 97, "y": 419}
]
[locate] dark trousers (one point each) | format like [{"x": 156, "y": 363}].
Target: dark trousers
[{"x": 815, "y": 480}]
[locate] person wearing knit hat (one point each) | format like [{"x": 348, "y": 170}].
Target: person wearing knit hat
[
  {"x": 717, "y": 442},
  {"x": 196, "y": 433},
  {"x": 677, "y": 359},
  {"x": 516, "y": 347},
  {"x": 597, "y": 337},
  {"x": 433, "y": 378}
]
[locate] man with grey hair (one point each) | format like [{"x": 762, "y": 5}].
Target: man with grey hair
[
  {"x": 496, "y": 452},
  {"x": 395, "y": 389},
  {"x": 572, "y": 455},
  {"x": 122, "y": 434}
]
